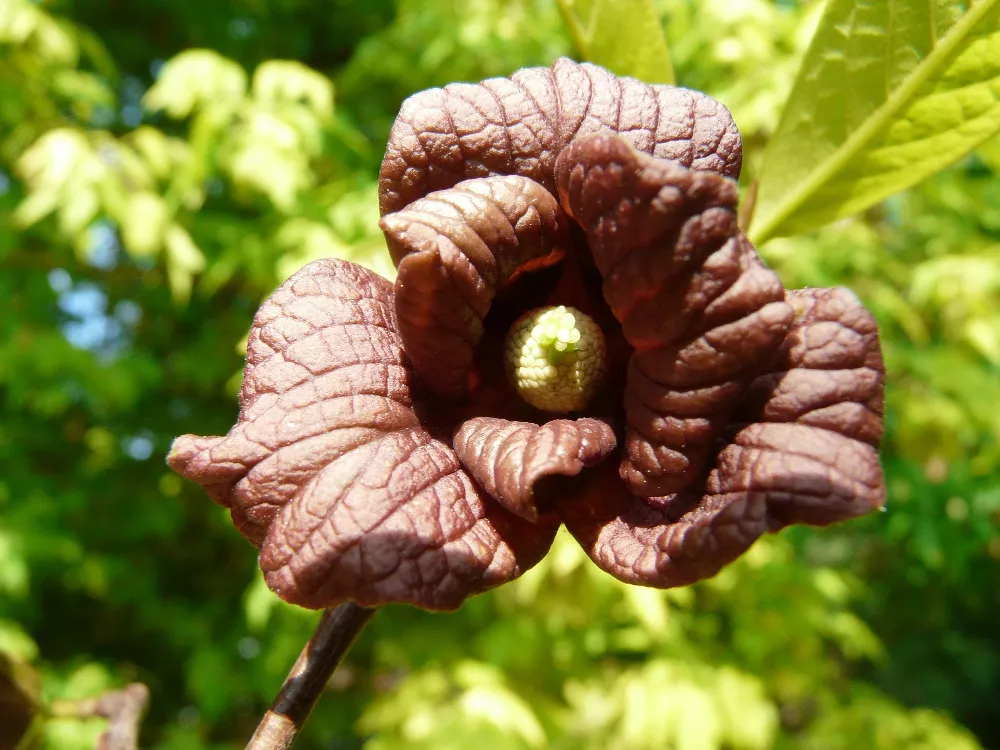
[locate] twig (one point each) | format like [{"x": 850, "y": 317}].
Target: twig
[
  {"x": 123, "y": 709},
  {"x": 334, "y": 635}
]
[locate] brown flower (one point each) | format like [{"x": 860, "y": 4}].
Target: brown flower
[{"x": 381, "y": 455}]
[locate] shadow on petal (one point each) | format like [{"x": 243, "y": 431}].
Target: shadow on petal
[
  {"x": 396, "y": 520},
  {"x": 688, "y": 538},
  {"x": 331, "y": 473},
  {"x": 519, "y": 463}
]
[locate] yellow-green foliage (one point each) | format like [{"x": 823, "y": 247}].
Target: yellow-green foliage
[{"x": 164, "y": 165}]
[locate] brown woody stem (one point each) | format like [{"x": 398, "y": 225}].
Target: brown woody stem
[
  {"x": 124, "y": 709},
  {"x": 336, "y": 631}
]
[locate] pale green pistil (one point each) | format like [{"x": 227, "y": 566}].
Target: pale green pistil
[
  {"x": 556, "y": 333},
  {"x": 555, "y": 358}
]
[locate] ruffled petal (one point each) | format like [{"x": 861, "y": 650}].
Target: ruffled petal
[
  {"x": 327, "y": 436},
  {"x": 511, "y": 460},
  {"x": 454, "y": 250},
  {"x": 519, "y": 125},
  {"x": 325, "y": 374},
  {"x": 396, "y": 520},
  {"x": 819, "y": 415},
  {"x": 691, "y": 537},
  {"x": 695, "y": 302},
  {"x": 802, "y": 449}
]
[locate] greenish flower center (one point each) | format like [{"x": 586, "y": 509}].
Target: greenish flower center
[{"x": 555, "y": 358}]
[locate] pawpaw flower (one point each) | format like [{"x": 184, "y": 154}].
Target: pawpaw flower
[{"x": 578, "y": 334}]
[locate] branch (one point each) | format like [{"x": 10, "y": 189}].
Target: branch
[
  {"x": 334, "y": 635},
  {"x": 123, "y": 709}
]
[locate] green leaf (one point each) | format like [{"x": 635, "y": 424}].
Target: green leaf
[
  {"x": 15, "y": 643},
  {"x": 625, "y": 36},
  {"x": 280, "y": 82},
  {"x": 989, "y": 152},
  {"x": 197, "y": 79},
  {"x": 184, "y": 260},
  {"x": 888, "y": 94}
]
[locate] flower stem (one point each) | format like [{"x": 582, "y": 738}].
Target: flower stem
[{"x": 336, "y": 631}]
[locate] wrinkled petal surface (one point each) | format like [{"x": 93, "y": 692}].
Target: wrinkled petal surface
[
  {"x": 732, "y": 407},
  {"x": 519, "y": 125},
  {"x": 818, "y": 415},
  {"x": 691, "y": 537},
  {"x": 809, "y": 455},
  {"x": 396, "y": 520},
  {"x": 510, "y": 459},
  {"x": 454, "y": 250},
  {"x": 701, "y": 311},
  {"x": 329, "y": 470}
]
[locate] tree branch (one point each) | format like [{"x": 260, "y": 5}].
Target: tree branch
[
  {"x": 124, "y": 710},
  {"x": 334, "y": 635}
]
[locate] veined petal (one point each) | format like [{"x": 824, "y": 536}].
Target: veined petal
[
  {"x": 328, "y": 447},
  {"x": 511, "y": 459},
  {"x": 454, "y": 250},
  {"x": 700, "y": 310},
  {"x": 802, "y": 448},
  {"x": 519, "y": 125}
]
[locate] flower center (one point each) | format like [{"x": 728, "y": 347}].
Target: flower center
[{"x": 555, "y": 358}]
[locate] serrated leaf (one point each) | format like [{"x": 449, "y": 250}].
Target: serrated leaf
[
  {"x": 888, "y": 94},
  {"x": 625, "y": 36}
]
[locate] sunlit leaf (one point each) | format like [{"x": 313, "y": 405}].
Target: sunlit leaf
[
  {"x": 279, "y": 82},
  {"x": 144, "y": 223},
  {"x": 989, "y": 152},
  {"x": 625, "y": 36},
  {"x": 650, "y": 608},
  {"x": 24, "y": 23},
  {"x": 13, "y": 568},
  {"x": 888, "y": 94},
  {"x": 184, "y": 260},
  {"x": 197, "y": 79},
  {"x": 15, "y": 643}
]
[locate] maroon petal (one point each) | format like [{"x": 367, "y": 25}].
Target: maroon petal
[
  {"x": 807, "y": 474},
  {"x": 454, "y": 250},
  {"x": 822, "y": 414},
  {"x": 327, "y": 389},
  {"x": 682, "y": 541},
  {"x": 829, "y": 371},
  {"x": 809, "y": 455},
  {"x": 396, "y": 521},
  {"x": 510, "y": 459},
  {"x": 519, "y": 125},
  {"x": 700, "y": 309}
]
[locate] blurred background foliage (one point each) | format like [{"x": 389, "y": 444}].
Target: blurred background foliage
[{"x": 165, "y": 164}]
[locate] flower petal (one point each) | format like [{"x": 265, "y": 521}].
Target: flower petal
[
  {"x": 326, "y": 390},
  {"x": 325, "y": 373},
  {"x": 824, "y": 401},
  {"x": 396, "y": 520},
  {"x": 454, "y": 249},
  {"x": 509, "y": 459},
  {"x": 519, "y": 125},
  {"x": 808, "y": 455},
  {"x": 700, "y": 309},
  {"x": 690, "y": 538}
]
